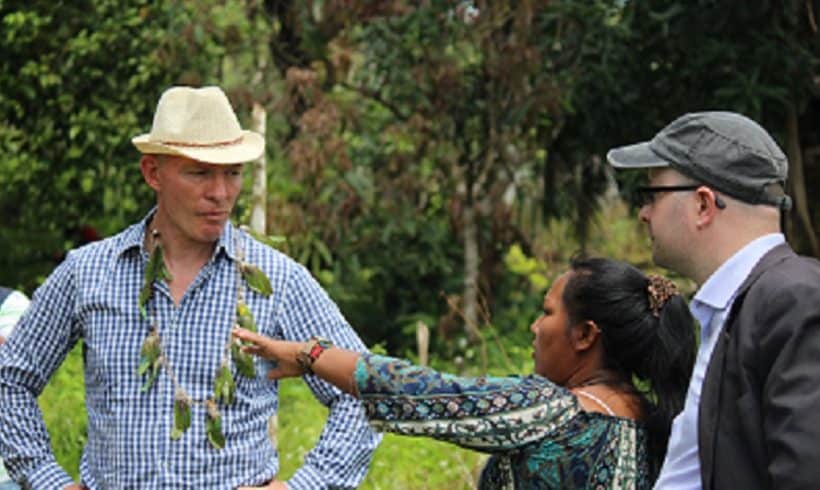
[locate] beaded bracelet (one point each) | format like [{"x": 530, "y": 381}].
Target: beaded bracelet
[{"x": 308, "y": 354}]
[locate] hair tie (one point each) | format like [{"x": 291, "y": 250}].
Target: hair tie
[{"x": 660, "y": 289}]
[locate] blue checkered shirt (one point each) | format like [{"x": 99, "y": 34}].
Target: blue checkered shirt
[{"x": 92, "y": 296}]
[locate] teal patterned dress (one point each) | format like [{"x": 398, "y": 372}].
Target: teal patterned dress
[{"x": 536, "y": 432}]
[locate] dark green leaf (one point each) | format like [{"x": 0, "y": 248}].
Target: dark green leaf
[
  {"x": 151, "y": 346},
  {"x": 224, "y": 385},
  {"x": 145, "y": 363},
  {"x": 150, "y": 359},
  {"x": 244, "y": 317},
  {"x": 152, "y": 376},
  {"x": 145, "y": 295},
  {"x": 256, "y": 279},
  {"x": 156, "y": 269},
  {"x": 243, "y": 360},
  {"x": 182, "y": 415},
  {"x": 213, "y": 425}
]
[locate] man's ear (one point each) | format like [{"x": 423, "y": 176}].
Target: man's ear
[
  {"x": 149, "y": 165},
  {"x": 708, "y": 204},
  {"x": 585, "y": 335}
]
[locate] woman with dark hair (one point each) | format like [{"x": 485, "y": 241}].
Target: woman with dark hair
[{"x": 613, "y": 351}]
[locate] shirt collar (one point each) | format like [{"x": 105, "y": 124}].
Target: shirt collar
[
  {"x": 720, "y": 288},
  {"x": 133, "y": 238}
]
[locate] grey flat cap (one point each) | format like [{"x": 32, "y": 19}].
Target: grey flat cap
[{"x": 724, "y": 150}]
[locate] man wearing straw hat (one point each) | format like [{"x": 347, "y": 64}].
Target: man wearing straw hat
[{"x": 172, "y": 402}]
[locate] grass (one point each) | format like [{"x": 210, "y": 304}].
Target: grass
[
  {"x": 63, "y": 406},
  {"x": 400, "y": 463}
]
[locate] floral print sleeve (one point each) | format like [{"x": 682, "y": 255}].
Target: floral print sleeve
[{"x": 485, "y": 413}]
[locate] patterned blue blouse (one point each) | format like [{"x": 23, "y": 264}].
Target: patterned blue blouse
[{"x": 538, "y": 435}]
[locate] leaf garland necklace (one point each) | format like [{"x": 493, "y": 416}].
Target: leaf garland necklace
[{"x": 153, "y": 358}]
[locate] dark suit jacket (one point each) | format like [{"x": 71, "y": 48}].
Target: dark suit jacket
[{"x": 759, "y": 418}]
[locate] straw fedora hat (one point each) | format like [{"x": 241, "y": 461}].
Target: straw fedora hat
[{"x": 199, "y": 123}]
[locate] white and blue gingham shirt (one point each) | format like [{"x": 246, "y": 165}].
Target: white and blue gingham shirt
[{"x": 93, "y": 295}]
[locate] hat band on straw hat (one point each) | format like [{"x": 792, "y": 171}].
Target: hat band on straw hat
[{"x": 203, "y": 145}]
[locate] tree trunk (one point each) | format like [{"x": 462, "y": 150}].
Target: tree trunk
[
  {"x": 798, "y": 180},
  {"x": 422, "y": 342},
  {"x": 260, "y": 179},
  {"x": 471, "y": 270}
]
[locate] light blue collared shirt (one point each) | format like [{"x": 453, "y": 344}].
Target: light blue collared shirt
[{"x": 713, "y": 301}]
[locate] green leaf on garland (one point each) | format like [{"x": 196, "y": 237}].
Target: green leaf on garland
[
  {"x": 145, "y": 295},
  {"x": 242, "y": 360},
  {"x": 182, "y": 415},
  {"x": 152, "y": 377},
  {"x": 224, "y": 385},
  {"x": 213, "y": 425},
  {"x": 150, "y": 359},
  {"x": 256, "y": 279},
  {"x": 145, "y": 363},
  {"x": 244, "y": 317},
  {"x": 156, "y": 269}
]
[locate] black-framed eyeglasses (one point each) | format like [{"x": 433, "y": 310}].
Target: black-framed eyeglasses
[{"x": 646, "y": 194}]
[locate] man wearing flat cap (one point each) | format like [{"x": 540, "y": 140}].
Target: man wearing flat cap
[
  {"x": 173, "y": 401},
  {"x": 713, "y": 207}
]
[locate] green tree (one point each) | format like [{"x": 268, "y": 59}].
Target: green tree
[
  {"x": 404, "y": 132},
  {"x": 79, "y": 80},
  {"x": 670, "y": 57}
]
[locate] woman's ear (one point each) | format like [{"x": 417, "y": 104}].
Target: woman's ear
[{"x": 585, "y": 335}]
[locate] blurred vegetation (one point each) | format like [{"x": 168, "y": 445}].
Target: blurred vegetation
[{"x": 434, "y": 162}]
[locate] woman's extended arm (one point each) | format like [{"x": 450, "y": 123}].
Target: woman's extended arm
[
  {"x": 335, "y": 365},
  {"x": 484, "y": 413}
]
